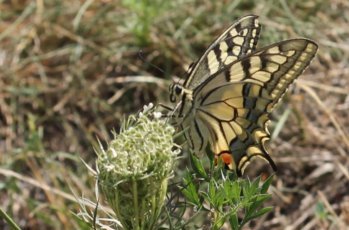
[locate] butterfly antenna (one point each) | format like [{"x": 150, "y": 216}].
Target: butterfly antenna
[{"x": 141, "y": 56}]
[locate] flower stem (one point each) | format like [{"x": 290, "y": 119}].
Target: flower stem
[{"x": 135, "y": 203}]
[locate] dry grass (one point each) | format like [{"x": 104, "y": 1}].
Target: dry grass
[{"x": 69, "y": 70}]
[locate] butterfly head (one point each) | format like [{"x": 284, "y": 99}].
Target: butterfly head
[{"x": 176, "y": 91}]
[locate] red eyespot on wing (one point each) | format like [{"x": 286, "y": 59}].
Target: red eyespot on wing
[{"x": 226, "y": 158}]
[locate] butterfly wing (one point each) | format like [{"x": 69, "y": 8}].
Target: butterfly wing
[
  {"x": 233, "y": 106},
  {"x": 232, "y": 118},
  {"x": 238, "y": 40}
]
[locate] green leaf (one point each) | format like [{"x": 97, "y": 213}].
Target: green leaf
[
  {"x": 218, "y": 223},
  {"x": 227, "y": 189},
  {"x": 220, "y": 199},
  {"x": 256, "y": 202},
  {"x": 259, "y": 213},
  {"x": 255, "y": 185},
  {"x": 216, "y": 195},
  {"x": 262, "y": 197},
  {"x": 266, "y": 184},
  {"x": 197, "y": 166},
  {"x": 235, "y": 190},
  {"x": 234, "y": 221},
  {"x": 212, "y": 189},
  {"x": 227, "y": 197},
  {"x": 246, "y": 189},
  {"x": 190, "y": 191}
]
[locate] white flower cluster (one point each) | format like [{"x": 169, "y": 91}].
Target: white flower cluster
[{"x": 146, "y": 146}]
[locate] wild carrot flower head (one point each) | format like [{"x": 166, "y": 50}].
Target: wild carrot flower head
[{"x": 135, "y": 168}]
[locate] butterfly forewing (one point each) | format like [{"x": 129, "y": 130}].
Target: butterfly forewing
[
  {"x": 274, "y": 67},
  {"x": 235, "y": 42}
]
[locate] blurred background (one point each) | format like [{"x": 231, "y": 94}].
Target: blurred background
[{"x": 70, "y": 70}]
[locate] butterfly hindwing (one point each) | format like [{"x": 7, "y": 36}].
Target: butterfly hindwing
[{"x": 236, "y": 114}]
